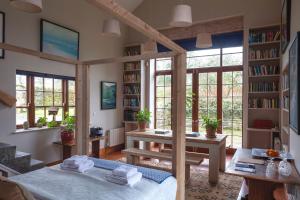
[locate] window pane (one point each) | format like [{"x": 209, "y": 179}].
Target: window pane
[
  {"x": 48, "y": 99},
  {"x": 71, "y": 99},
  {"x": 212, "y": 78},
  {"x": 39, "y": 112},
  {"x": 202, "y": 78},
  {"x": 21, "y": 82},
  {"x": 163, "y": 64},
  {"x": 160, "y": 103},
  {"x": 59, "y": 116},
  {"x": 168, "y": 103},
  {"x": 205, "y": 61},
  {"x": 237, "y": 77},
  {"x": 21, "y": 98},
  {"x": 232, "y": 50},
  {"x": 39, "y": 99},
  {"x": 38, "y": 84},
  {"x": 160, "y": 80},
  {"x": 160, "y": 113},
  {"x": 21, "y": 115},
  {"x": 233, "y": 59},
  {"x": 227, "y": 77},
  {"x": 72, "y": 111},
  {"x": 57, "y": 85},
  {"x": 160, "y": 92},
  {"x": 168, "y": 80},
  {"x": 168, "y": 91},
  {"x": 71, "y": 86},
  {"x": 189, "y": 79},
  {"x": 48, "y": 84},
  {"x": 212, "y": 90},
  {"x": 206, "y": 52},
  {"x": 58, "y": 99}
]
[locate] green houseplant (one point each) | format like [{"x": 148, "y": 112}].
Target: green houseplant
[
  {"x": 143, "y": 118},
  {"x": 211, "y": 125},
  {"x": 68, "y": 129},
  {"x": 42, "y": 121}
]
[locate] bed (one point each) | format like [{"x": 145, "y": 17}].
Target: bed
[{"x": 52, "y": 183}]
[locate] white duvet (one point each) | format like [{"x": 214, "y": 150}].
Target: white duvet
[{"x": 56, "y": 184}]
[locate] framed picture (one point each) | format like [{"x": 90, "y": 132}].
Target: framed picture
[
  {"x": 285, "y": 24},
  {"x": 2, "y": 33},
  {"x": 294, "y": 84},
  {"x": 108, "y": 95},
  {"x": 59, "y": 40}
]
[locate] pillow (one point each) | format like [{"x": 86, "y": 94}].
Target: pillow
[{"x": 12, "y": 191}]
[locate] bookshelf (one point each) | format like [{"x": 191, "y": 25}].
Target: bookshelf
[
  {"x": 285, "y": 130},
  {"x": 264, "y": 87}
]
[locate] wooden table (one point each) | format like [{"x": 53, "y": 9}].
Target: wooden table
[
  {"x": 260, "y": 186},
  {"x": 216, "y": 147}
]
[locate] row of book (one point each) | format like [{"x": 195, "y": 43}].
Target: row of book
[
  {"x": 263, "y": 53},
  {"x": 131, "y": 102},
  {"x": 132, "y": 89},
  {"x": 266, "y": 36},
  {"x": 264, "y": 103},
  {"x": 132, "y": 66},
  {"x": 130, "y": 115},
  {"x": 285, "y": 82},
  {"x": 286, "y": 102},
  {"x": 263, "y": 86},
  {"x": 133, "y": 51},
  {"x": 132, "y": 77},
  {"x": 259, "y": 70}
]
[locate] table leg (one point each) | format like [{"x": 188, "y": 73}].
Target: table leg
[
  {"x": 214, "y": 164},
  {"x": 129, "y": 144},
  {"x": 95, "y": 148},
  {"x": 261, "y": 190},
  {"x": 67, "y": 152},
  {"x": 223, "y": 157}
]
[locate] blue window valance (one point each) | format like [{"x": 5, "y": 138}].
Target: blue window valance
[
  {"x": 233, "y": 39},
  {"x": 38, "y": 74}
]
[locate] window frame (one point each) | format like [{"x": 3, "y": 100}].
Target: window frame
[{"x": 30, "y": 76}]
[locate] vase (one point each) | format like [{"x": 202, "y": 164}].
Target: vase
[
  {"x": 284, "y": 168},
  {"x": 210, "y": 132},
  {"x": 67, "y": 137},
  {"x": 142, "y": 126}
]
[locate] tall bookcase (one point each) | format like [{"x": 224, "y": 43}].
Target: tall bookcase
[
  {"x": 285, "y": 130},
  {"x": 133, "y": 88},
  {"x": 263, "y": 86}
]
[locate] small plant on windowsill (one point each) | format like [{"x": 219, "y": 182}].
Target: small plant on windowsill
[
  {"x": 68, "y": 129},
  {"x": 52, "y": 124},
  {"x": 42, "y": 121},
  {"x": 211, "y": 125},
  {"x": 143, "y": 118}
]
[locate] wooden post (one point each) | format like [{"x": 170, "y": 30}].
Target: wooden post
[
  {"x": 82, "y": 108},
  {"x": 178, "y": 122}
]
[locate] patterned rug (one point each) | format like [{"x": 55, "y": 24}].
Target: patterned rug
[{"x": 199, "y": 189}]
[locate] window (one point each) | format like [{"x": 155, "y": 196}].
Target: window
[{"x": 37, "y": 92}]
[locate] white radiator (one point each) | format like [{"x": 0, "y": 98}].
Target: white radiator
[{"x": 116, "y": 136}]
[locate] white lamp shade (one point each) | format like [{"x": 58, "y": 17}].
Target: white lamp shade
[
  {"x": 149, "y": 47},
  {"x": 30, "y": 6},
  {"x": 204, "y": 40},
  {"x": 182, "y": 16},
  {"x": 111, "y": 27}
]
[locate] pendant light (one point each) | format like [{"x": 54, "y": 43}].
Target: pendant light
[
  {"x": 149, "y": 47},
  {"x": 204, "y": 40},
  {"x": 181, "y": 16},
  {"x": 30, "y": 6},
  {"x": 111, "y": 27}
]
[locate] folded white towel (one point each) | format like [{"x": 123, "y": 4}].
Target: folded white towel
[
  {"x": 125, "y": 171},
  {"x": 75, "y": 160},
  {"x": 82, "y": 167},
  {"x": 131, "y": 181}
]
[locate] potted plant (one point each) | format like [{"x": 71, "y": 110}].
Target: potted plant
[
  {"x": 143, "y": 118},
  {"x": 211, "y": 125},
  {"x": 42, "y": 121},
  {"x": 52, "y": 124},
  {"x": 68, "y": 129}
]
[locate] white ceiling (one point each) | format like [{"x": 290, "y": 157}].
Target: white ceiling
[{"x": 130, "y": 5}]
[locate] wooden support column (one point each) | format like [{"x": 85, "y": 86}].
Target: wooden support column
[
  {"x": 82, "y": 108},
  {"x": 178, "y": 122}
]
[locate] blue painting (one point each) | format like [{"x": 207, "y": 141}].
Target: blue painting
[
  {"x": 108, "y": 95},
  {"x": 59, "y": 40}
]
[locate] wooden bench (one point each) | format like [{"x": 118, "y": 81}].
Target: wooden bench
[
  {"x": 189, "y": 154},
  {"x": 133, "y": 155}
]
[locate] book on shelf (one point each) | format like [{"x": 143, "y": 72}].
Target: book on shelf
[
  {"x": 260, "y": 70},
  {"x": 263, "y": 86},
  {"x": 259, "y": 54},
  {"x": 131, "y": 66},
  {"x": 130, "y": 115},
  {"x": 133, "y": 50},
  {"x": 132, "y": 89},
  {"x": 132, "y": 77},
  {"x": 131, "y": 102},
  {"x": 269, "y": 103},
  {"x": 264, "y": 36}
]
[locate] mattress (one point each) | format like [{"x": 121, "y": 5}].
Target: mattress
[{"x": 56, "y": 184}]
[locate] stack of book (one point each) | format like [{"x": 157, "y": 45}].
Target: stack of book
[
  {"x": 259, "y": 70},
  {"x": 263, "y": 103},
  {"x": 132, "y": 89},
  {"x": 261, "y": 37},
  {"x": 132, "y": 78},
  {"x": 263, "y": 87},
  {"x": 263, "y": 53}
]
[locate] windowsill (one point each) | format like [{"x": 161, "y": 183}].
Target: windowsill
[{"x": 35, "y": 129}]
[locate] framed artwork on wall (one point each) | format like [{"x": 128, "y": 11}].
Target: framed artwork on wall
[
  {"x": 108, "y": 95},
  {"x": 285, "y": 24},
  {"x": 59, "y": 40},
  {"x": 2, "y": 33},
  {"x": 294, "y": 83}
]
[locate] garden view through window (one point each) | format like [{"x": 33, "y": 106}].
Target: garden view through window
[{"x": 213, "y": 88}]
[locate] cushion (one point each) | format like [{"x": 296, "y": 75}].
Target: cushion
[{"x": 13, "y": 191}]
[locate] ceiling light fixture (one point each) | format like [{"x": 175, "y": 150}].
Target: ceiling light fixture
[
  {"x": 30, "y": 6},
  {"x": 182, "y": 16},
  {"x": 204, "y": 40},
  {"x": 149, "y": 47},
  {"x": 111, "y": 27}
]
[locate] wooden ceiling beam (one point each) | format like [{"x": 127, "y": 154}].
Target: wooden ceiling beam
[
  {"x": 129, "y": 58},
  {"x": 136, "y": 23}
]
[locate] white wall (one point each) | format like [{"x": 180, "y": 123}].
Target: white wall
[{"x": 22, "y": 29}]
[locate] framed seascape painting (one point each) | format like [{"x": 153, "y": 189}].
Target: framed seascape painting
[
  {"x": 294, "y": 75},
  {"x": 59, "y": 40},
  {"x": 285, "y": 24},
  {"x": 2, "y": 33},
  {"x": 108, "y": 95}
]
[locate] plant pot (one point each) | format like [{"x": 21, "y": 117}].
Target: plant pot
[
  {"x": 67, "y": 137},
  {"x": 210, "y": 132},
  {"x": 40, "y": 125},
  {"x": 142, "y": 126}
]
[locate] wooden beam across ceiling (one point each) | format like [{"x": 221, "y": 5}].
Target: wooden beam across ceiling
[{"x": 136, "y": 23}]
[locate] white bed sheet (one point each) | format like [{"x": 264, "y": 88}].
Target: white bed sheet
[{"x": 56, "y": 184}]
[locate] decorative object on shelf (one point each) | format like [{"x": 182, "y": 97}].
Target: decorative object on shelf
[
  {"x": 181, "y": 16},
  {"x": 204, "y": 40},
  {"x": 111, "y": 27},
  {"x": 284, "y": 168},
  {"x": 143, "y": 118},
  {"x": 294, "y": 75},
  {"x": 26, "y": 125},
  {"x": 30, "y": 6},
  {"x": 67, "y": 129},
  {"x": 271, "y": 168},
  {"x": 42, "y": 121},
  {"x": 2, "y": 33},
  {"x": 211, "y": 126},
  {"x": 108, "y": 95},
  {"x": 59, "y": 40},
  {"x": 285, "y": 24}
]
